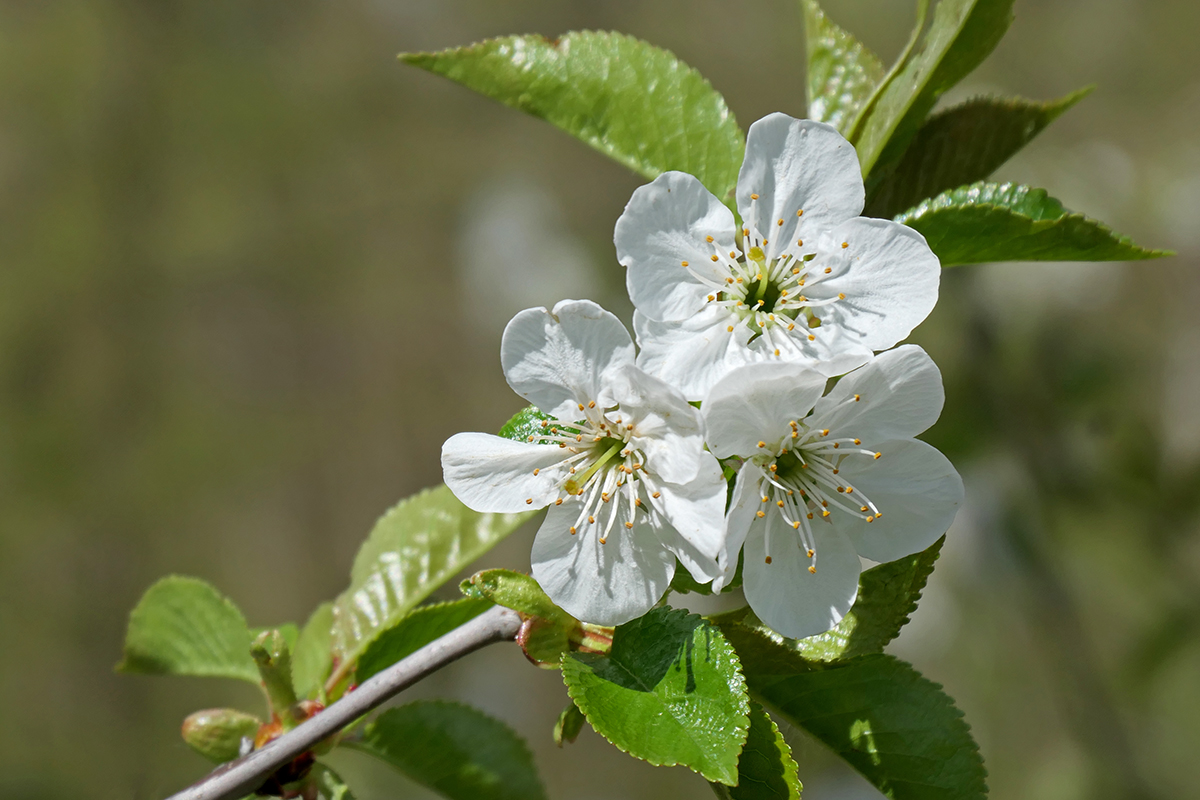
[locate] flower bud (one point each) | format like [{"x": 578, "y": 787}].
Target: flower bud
[{"x": 218, "y": 733}]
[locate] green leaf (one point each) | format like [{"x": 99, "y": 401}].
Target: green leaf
[
  {"x": 669, "y": 692},
  {"x": 414, "y": 548},
  {"x": 842, "y": 73},
  {"x": 961, "y": 36},
  {"x": 515, "y": 590},
  {"x": 274, "y": 661},
  {"x": 525, "y": 423},
  {"x": 287, "y": 630},
  {"x": 766, "y": 770},
  {"x": 311, "y": 657},
  {"x": 887, "y": 594},
  {"x": 328, "y": 783},
  {"x": 635, "y": 103},
  {"x": 419, "y": 628},
  {"x": 569, "y": 724},
  {"x": 961, "y": 145},
  {"x": 892, "y": 725},
  {"x": 183, "y": 626},
  {"x": 1008, "y": 222},
  {"x": 455, "y": 750}
]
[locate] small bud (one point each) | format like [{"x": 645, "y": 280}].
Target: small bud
[{"x": 217, "y": 733}]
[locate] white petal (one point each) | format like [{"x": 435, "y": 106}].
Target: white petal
[
  {"x": 829, "y": 352},
  {"x": 746, "y": 500},
  {"x": 491, "y": 474},
  {"x": 887, "y": 273},
  {"x": 665, "y": 427},
  {"x": 605, "y": 584},
  {"x": 899, "y": 395},
  {"x": 795, "y": 165},
  {"x": 784, "y": 594},
  {"x": 696, "y": 512},
  {"x": 756, "y": 404},
  {"x": 560, "y": 360},
  {"x": 695, "y": 354},
  {"x": 665, "y": 224},
  {"x": 916, "y": 489}
]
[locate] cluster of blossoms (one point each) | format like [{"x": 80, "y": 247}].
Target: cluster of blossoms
[{"x": 739, "y": 333}]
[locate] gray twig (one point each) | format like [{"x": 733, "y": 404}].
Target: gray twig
[{"x": 237, "y": 778}]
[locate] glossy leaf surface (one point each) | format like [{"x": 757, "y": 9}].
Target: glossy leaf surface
[
  {"x": 962, "y": 145},
  {"x": 634, "y": 102},
  {"x": 766, "y": 770},
  {"x": 669, "y": 692},
  {"x": 1008, "y": 222},
  {"x": 419, "y": 628},
  {"x": 842, "y": 72}
]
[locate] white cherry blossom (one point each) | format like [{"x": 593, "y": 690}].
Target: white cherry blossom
[
  {"x": 804, "y": 279},
  {"x": 620, "y": 462},
  {"x": 826, "y": 479}
]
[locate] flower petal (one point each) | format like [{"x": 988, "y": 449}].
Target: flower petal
[
  {"x": 899, "y": 394},
  {"x": 888, "y": 275},
  {"x": 755, "y": 404},
  {"x": 560, "y": 360},
  {"x": 695, "y": 354},
  {"x": 916, "y": 489},
  {"x": 747, "y": 494},
  {"x": 797, "y": 165},
  {"x": 664, "y": 426},
  {"x": 492, "y": 474},
  {"x": 665, "y": 224},
  {"x": 784, "y": 594},
  {"x": 695, "y": 511},
  {"x": 605, "y": 584}
]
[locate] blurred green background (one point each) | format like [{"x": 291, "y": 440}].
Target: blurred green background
[{"x": 253, "y": 272}]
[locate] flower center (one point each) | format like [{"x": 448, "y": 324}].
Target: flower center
[{"x": 803, "y": 480}]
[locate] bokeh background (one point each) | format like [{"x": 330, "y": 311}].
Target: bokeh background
[{"x": 253, "y": 272}]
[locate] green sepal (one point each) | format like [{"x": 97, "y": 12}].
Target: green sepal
[
  {"x": 1008, "y": 222},
  {"x": 328, "y": 784},
  {"x": 217, "y": 733},
  {"x": 570, "y": 723},
  {"x": 183, "y": 626},
  {"x": 961, "y": 145},
  {"x": 455, "y": 750},
  {"x": 636, "y": 103},
  {"x": 842, "y": 72},
  {"x": 669, "y": 692},
  {"x": 524, "y": 424},
  {"x": 766, "y": 769}
]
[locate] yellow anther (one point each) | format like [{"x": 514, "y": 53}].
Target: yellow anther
[
  {"x": 529, "y": 502},
  {"x": 791, "y": 326},
  {"x": 729, "y": 329},
  {"x": 581, "y": 406},
  {"x": 637, "y": 502},
  {"x": 604, "y": 496},
  {"x": 877, "y": 455},
  {"x": 761, "y": 514},
  {"x": 656, "y": 494},
  {"x": 711, "y": 298},
  {"x": 796, "y": 271},
  {"x": 828, "y": 270},
  {"x": 683, "y": 263},
  {"x": 729, "y": 280},
  {"x": 767, "y": 559},
  {"x": 796, "y": 524},
  {"x": 811, "y": 552},
  {"x": 708, "y": 239},
  {"x": 591, "y": 520},
  {"x": 766, "y": 241},
  {"x": 733, "y": 254},
  {"x": 812, "y": 338},
  {"x": 795, "y": 434},
  {"x": 857, "y": 397},
  {"x": 628, "y": 524},
  {"x": 810, "y": 515},
  {"x": 841, "y": 489},
  {"x": 530, "y": 439},
  {"x": 870, "y": 519},
  {"x": 782, "y": 295},
  {"x": 773, "y": 467},
  {"x": 591, "y": 404},
  {"x": 836, "y": 445},
  {"x": 864, "y": 508},
  {"x": 739, "y": 280},
  {"x": 536, "y": 471},
  {"x": 800, "y": 212},
  {"x": 776, "y": 351},
  {"x": 779, "y": 503},
  {"x": 813, "y": 570},
  {"x": 825, "y": 513},
  {"x": 558, "y": 501},
  {"x": 858, "y": 441},
  {"x": 753, "y": 197},
  {"x": 765, "y": 498},
  {"x": 836, "y": 471},
  {"x": 762, "y": 444},
  {"x": 745, "y": 231},
  {"x": 780, "y": 222},
  {"x": 849, "y": 490},
  {"x": 825, "y": 431},
  {"x": 603, "y": 541},
  {"x": 715, "y": 257},
  {"x": 573, "y": 531},
  {"x": 845, "y": 245}
]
